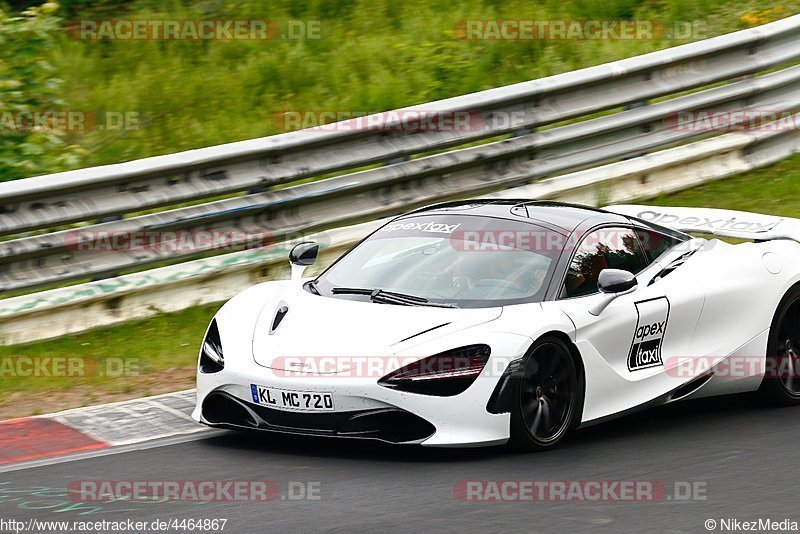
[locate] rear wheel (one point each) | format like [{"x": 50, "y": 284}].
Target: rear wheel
[
  {"x": 782, "y": 383},
  {"x": 546, "y": 397}
]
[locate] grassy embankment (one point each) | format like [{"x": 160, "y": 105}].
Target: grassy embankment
[{"x": 372, "y": 55}]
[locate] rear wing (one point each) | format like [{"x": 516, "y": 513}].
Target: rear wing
[{"x": 722, "y": 223}]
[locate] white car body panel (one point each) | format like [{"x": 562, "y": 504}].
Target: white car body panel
[{"x": 378, "y": 330}]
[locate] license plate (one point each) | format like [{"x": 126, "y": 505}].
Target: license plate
[{"x": 285, "y": 399}]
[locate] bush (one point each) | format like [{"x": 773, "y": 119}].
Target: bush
[{"x": 29, "y": 84}]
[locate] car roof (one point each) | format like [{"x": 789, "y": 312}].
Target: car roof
[{"x": 564, "y": 216}]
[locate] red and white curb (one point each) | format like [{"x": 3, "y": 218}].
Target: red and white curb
[{"x": 93, "y": 428}]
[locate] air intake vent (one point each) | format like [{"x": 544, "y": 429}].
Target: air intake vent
[
  {"x": 671, "y": 267},
  {"x": 279, "y": 315},
  {"x": 687, "y": 389}
]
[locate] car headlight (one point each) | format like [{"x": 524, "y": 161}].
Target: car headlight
[
  {"x": 211, "y": 358},
  {"x": 442, "y": 375}
]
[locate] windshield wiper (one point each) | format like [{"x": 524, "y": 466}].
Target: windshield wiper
[{"x": 390, "y": 297}]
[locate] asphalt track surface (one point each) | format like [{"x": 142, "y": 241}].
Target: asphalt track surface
[{"x": 745, "y": 455}]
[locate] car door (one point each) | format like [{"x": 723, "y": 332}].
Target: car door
[{"x": 640, "y": 334}]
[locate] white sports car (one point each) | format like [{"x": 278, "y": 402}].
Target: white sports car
[{"x": 483, "y": 322}]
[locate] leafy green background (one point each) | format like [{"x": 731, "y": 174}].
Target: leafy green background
[{"x": 374, "y": 55}]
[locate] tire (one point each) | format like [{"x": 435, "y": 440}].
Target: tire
[
  {"x": 547, "y": 399},
  {"x": 781, "y": 386}
]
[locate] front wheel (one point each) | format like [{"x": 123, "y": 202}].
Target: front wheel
[
  {"x": 546, "y": 397},
  {"x": 781, "y": 384}
]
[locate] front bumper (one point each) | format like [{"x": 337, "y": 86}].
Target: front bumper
[
  {"x": 391, "y": 425},
  {"x": 364, "y": 409}
]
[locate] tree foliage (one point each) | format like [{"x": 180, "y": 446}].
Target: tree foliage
[{"x": 30, "y": 89}]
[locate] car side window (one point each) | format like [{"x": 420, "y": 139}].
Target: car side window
[
  {"x": 655, "y": 243},
  {"x": 604, "y": 248}
]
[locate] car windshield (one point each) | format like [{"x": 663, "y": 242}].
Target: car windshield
[{"x": 465, "y": 261}]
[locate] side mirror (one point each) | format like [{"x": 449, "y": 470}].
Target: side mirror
[
  {"x": 616, "y": 281},
  {"x": 304, "y": 254},
  {"x": 613, "y": 283},
  {"x": 301, "y": 256}
]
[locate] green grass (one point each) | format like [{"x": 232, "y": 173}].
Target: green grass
[
  {"x": 169, "y": 343},
  {"x": 374, "y": 55},
  {"x": 773, "y": 190},
  {"x": 159, "y": 343},
  {"x": 130, "y": 360}
]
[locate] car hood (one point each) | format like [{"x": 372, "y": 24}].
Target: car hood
[{"x": 314, "y": 326}]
